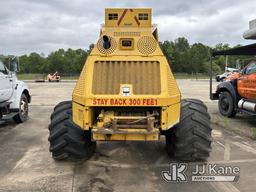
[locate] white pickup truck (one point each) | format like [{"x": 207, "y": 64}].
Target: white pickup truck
[{"x": 14, "y": 94}]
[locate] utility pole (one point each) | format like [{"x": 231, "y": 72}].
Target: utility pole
[{"x": 226, "y": 64}]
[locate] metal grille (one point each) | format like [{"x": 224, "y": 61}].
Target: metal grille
[
  {"x": 81, "y": 84},
  {"x": 172, "y": 86},
  {"x": 144, "y": 76},
  {"x": 126, "y": 33},
  {"x": 147, "y": 45}
]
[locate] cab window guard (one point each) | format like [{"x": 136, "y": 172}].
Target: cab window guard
[
  {"x": 143, "y": 16},
  {"x": 112, "y": 16}
]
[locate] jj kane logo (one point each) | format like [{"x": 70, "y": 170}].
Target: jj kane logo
[{"x": 201, "y": 173}]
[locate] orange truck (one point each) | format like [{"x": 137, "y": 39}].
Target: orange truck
[{"x": 238, "y": 92}]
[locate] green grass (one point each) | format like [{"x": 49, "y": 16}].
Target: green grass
[
  {"x": 190, "y": 76},
  {"x": 254, "y": 133},
  {"x": 75, "y": 77},
  {"x": 30, "y": 76}
]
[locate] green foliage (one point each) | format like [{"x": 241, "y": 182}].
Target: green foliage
[
  {"x": 63, "y": 61},
  {"x": 195, "y": 58},
  {"x": 199, "y": 55},
  {"x": 32, "y": 64}
]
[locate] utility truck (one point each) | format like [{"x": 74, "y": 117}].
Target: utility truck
[
  {"x": 238, "y": 92},
  {"x": 14, "y": 94}
]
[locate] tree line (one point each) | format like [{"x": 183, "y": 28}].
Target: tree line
[
  {"x": 195, "y": 58},
  {"x": 182, "y": 57}
]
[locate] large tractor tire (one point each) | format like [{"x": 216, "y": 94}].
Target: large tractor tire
[
  {"x": 67, "y": 140},
  {"x": 60, "y": 107},
  {"x": 191, "y": 139},
  {"x": 226, "y": 104}
]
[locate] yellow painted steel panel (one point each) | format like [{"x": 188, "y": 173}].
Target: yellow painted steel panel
[
  {"x": 78, "y": 114},
  {"x": 139, "y": 66},
  {"x": 80, "y": 87},
  {"x": 170, "y": 116},
  {"x": 119, "y": 17},
  {"x": 128, "y": 137},
  {"x": 172, "y": 85}
]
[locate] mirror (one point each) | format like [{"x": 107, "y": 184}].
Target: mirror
[
  {"x": 243, "y": 71},
  {"x": 14, "y": 64}
]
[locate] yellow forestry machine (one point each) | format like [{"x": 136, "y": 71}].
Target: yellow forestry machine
[{"x": 126, "y": 91}]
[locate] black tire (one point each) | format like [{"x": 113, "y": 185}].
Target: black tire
[
  {"x": 222, "y": 79},
  {"x": 22, "y": 116},
  {"x": 191, "y": 139},
  {"x": 217, "y": 78},
  {"x": 226, "y": 104},
  {"x": 62, "y": 103},
  {"x": 67, "y": 140},
  {"x": 60, "y": 107}
]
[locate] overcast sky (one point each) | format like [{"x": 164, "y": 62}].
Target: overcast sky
[{"x": 46, "y": 25}]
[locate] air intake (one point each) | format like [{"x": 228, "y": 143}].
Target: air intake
[
  {"x": 144, "y": 76},
  {"x": 126, "y": 34},
  {"x": 147, "y": 45}
]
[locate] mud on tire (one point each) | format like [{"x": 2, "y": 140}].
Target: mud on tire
[
  {"x": 67, "y": 140},
  {"x": 191, "y": 139}
]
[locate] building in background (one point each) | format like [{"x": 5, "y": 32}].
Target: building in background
[{"x": 251, "y": 33}]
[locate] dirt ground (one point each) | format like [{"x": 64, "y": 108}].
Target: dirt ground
[{"x": 26, "y": 164}]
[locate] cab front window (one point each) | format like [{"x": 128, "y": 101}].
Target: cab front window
[
  {"x": 2, "y": 68},
  {"x": 251, "y": 68}
]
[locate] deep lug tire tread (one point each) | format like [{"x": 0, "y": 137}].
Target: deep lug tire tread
[
  {"x": 67, "y": 140},
  {"x": 60, "y": 107},
  {"x": 191, "y": 139}
]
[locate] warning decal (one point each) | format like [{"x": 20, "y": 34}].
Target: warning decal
[{"x": 125, "y": 102}]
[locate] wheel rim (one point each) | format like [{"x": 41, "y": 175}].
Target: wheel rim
[
  {"x": 224, "y": 104},
  {"x": 23, "y": 108}
]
